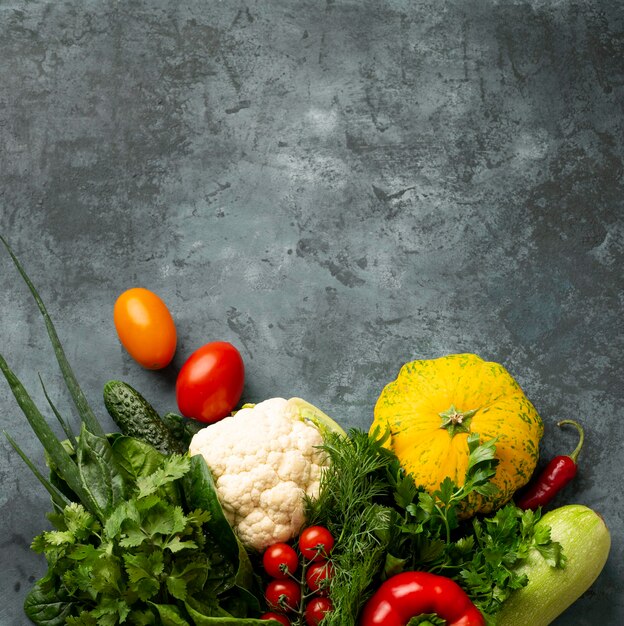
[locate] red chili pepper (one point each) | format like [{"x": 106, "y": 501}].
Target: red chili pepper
[
  {"x": 557, "y": 474},
  {"x": 410, "y": 594}
]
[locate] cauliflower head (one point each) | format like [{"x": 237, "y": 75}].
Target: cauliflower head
[{"x": 264, "y": 458}]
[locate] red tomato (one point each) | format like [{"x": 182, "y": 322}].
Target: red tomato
[
  {"x": 315, "y": 543},
  {"x": 282, "y": 619},
  {"x": 280, "y": 560},
  {"x": 145, "y": 327},
  {"x": 315, "y": 610},
  {"x": 283, "y": 595},
  {"x": 210, "y": 383},
  {"x": 318, "y": 576}
]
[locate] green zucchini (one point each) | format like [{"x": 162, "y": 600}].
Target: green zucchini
[
  {"x": 136, "y": 417},
  {"x": 586, "y": 541}
]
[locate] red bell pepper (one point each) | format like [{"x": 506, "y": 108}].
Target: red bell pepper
[{"x": 411, "y": 594}]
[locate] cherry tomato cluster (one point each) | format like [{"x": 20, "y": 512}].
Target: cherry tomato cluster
[
  {"x": 299, "y": 596},
  {"x": 210, "y": 383}
]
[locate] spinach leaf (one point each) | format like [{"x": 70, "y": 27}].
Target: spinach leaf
[
  {"x": 201, "y": 493},
  {"x": 135, "y": 458},
  {"x": 47, "y": 607},
  {"x": 99, "y": 472},
  {"x": 211, "y": 615}
]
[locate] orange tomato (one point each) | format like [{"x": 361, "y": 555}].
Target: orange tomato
[{"x": 145, "y": 327}]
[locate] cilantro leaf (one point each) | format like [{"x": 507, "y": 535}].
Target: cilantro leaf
[
  {"x": 173, "y": 468},
  {"x": 177, "y": 587}
]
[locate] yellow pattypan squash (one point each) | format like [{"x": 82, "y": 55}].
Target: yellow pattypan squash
[{"x": 432, "y": 407}]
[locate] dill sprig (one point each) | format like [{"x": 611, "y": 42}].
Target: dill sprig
[{"x": 353, "y": 506}]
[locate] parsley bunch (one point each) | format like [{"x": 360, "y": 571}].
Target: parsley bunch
[{"x": 147, "y": 551}]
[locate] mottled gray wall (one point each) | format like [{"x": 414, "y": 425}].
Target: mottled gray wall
[{"x": 335, "y": 187}]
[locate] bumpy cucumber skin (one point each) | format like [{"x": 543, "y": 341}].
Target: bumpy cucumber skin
[
  {"x": 136, "y": 417},
  {"x": 586, "y": 542}
]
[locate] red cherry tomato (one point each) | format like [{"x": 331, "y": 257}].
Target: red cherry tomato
[
  {"x": 283, "y": 595},
  {"x": 279, "y": 560},
  {"x": 278, "y": 617},
  {"x": 315, "y": 610},
  {"x": 315, "y": 543},
  {"x": 145, "y": 327},
  {"x": 318, "y": 576},
  {"x": 210, "y": 383}
]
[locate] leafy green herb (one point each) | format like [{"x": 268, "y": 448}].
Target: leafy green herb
[
  {"x": 385, "y": 524},
  {"x": 147, "y": 550},
  {"x": 482, "y": 556},
  {"x": 138, "y": 537},
  {"x": 353, "y": 505}
]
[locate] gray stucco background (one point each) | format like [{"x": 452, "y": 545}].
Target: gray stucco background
[{"x": 336, "y": 188}]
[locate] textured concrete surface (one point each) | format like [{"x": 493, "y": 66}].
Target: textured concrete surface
[{"x": 335, "y": 187}]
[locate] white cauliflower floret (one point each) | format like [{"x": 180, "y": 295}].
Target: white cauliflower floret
[{"x": 264, "y": 458}]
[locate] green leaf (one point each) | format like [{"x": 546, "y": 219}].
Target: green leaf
[
  {"x": 173, "y": 468},
  {"x": 182, "y": 428},
  {"x": 484, "y": 453},
  {"x": 176, "y": 587},
  {"x": 77, "y": 579},
  {"x": 446, "y": 491},
  {"x": 194, "y": 572},
  {"x": 99, "y": 472},
  {"x": 207, "y": 611},
  {"x": 47, "y": 608},
  {"x": 58, "y": 498},
  {"x": 431, "y": 550},
  {"x": 106, "y": 574},
  {"x": 425, "y": 502},
  {"x": 164, "y": 520},
  {"x": 552, "y": 553},
  {"x": 488, "y": 489},
  {"x": 58, "y": 537},
  {"x": 405, "y": 489},
  {"x": 176, "y": 544},
  {"x": 84, "y": 552},
  {"x": 170, "y": 615},
  {"x": 133, "y": 536},
  {"x": 135, "y": 458},
  {"x": 143, "y": 572},
  {"x": 79, "y": 521},
  {"x": 80, "y": 400},
  {"x": 65, "y": 465},
  {"x": 201, "y": 493},
  {"x": 125, "y": 512},
  {"x": 84, "y": 619},
  {"x": 141, "y": 618},
  {"x": 393, "y": 565},
  {"x": 111, "y": 611},
  {"x": 197, "y": 517},
  {"x": 61, "y": 420}
]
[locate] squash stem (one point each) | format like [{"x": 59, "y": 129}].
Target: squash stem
[{"x": 581, "y": 433}]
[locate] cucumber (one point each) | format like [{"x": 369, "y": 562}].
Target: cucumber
[
  {"x": 586, "y": 541},
  {"x": 136, "y": 417}
]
